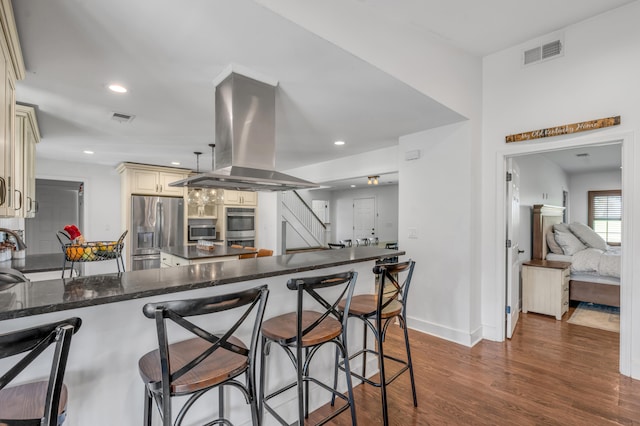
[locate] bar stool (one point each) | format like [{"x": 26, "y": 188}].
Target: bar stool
[
  {"x": 194, "y": 366},
  {"x": 300, "y": 334},
  {"x": 378, "y": 311},
  {"x": 362, "y": 242},
  {"x": 347, "y": 243},
  {"x": 41, "y": 403}
]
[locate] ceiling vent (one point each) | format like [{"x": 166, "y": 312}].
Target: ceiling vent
[
  {"x": 545, "y": 52},
  {"x": 122, "y": 117}
]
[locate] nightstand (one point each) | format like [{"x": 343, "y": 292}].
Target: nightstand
[{"x": 545, "y": 287}]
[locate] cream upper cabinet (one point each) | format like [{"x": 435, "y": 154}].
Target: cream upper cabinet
[
  {"x": 151, "y": 180},
  {"x": 26, "y": 138},
  {"x": 11, "y": 70},
  {"x": 236, "y": 198}
]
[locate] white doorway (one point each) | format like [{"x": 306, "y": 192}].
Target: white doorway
[
  {"x": 569, "y": 195},
  {"x": 364, "y": 218}
]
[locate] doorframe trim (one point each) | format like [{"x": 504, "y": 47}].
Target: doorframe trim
[{"x": 629, "y": 233}]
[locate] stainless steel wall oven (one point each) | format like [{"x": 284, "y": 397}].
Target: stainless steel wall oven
[{"x": 240, "y": 225}]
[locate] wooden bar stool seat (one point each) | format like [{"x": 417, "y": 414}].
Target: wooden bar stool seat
[
  {"x": 283, "y": 329},
  {"x": 212, "y": 371},
  {"x": 366, "y": 305},
  {"x": 27, "y": 402},
  {"x": 42, "y": 403}
]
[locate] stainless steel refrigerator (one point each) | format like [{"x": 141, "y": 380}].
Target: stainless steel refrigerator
[{"x": 155, "y": 222}]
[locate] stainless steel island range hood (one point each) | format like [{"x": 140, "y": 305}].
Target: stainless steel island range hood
[{"x": 245, "y": 125}]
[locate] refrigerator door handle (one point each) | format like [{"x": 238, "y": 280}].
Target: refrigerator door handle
[{"x": 159, "y": 223}]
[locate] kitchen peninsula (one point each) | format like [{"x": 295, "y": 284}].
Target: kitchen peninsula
[
  {"x": 115, "y": 333},
  {"x": 192, "y": 255}
]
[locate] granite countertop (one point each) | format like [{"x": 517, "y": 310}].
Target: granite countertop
[
  {"x": 191, "y": 252},
  {"x": 36, "y": 263},
  {"x": 41, "y": 297}
]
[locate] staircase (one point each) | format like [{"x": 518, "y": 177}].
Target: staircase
[{"x": 304, "y": 230}]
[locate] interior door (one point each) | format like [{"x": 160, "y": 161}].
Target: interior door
[
  {"x": 513, "y": 248},
  {"x": 364, "y": 217}
]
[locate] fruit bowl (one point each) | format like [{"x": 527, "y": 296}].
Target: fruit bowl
[{"x": 92, "y": 251}]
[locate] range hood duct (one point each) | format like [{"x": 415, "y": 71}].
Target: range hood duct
[{"x": 245, "y": 146}]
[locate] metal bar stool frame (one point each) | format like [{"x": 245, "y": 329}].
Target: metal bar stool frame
[
  {"x": 35, "y": 341},
  {"x": 384, "y": 311},
  {"x": 294, "y": 349},
  {"x": 254, "y": 299}
]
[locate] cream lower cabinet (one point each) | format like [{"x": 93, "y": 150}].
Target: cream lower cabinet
[{"x": 545, "y": 287}]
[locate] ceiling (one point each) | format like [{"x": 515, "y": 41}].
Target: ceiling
[
  {"x": 167, "y": 53},
  {"x": 594, "y": 158}
]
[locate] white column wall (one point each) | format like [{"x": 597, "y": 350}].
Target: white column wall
[
  {"x": 597, "y": 77},
  {"x": 435, "y": 230}
]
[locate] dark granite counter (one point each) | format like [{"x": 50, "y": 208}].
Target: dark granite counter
[
  {"x": 191, "y": 252},
  {"x": 57, "y": 295},
  {"x": 36, "y": 263}
]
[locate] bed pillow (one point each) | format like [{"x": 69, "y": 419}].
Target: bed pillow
[
  {"x": 588, "y": 236},
  {"x": 570, "y": 243},
  {"x": 552, "y": 244},
  {"x": 562, "y": 227}
]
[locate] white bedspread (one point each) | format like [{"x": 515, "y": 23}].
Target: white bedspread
[{"x": 597, "y": 261}]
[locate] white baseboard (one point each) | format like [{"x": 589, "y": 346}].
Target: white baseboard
[{"x": 457, "y": 336}]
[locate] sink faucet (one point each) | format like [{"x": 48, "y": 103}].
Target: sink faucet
[{"x": 20, "y": 245}]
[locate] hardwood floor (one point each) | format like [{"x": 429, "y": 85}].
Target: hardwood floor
[{"x": 551, "y": 372}]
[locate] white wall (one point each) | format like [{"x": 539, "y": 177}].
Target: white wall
[
  {"x": 447, "y": 307},
  {"x": 579, "y": 186},
  {"x": 594, "y": 79},
  {"x": 386, "y": 202},
  {"x": 101, "y": 202}
]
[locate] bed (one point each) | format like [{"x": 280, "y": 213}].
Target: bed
[{"x": 594, "y": 287}]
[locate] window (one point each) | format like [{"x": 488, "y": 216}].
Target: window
[{"x": 605, "y": 215}]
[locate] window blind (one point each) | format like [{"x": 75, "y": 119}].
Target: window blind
[{"x": 607, "y": 207}]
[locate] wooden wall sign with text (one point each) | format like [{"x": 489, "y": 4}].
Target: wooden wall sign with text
[{"x": 564, "y": 130}]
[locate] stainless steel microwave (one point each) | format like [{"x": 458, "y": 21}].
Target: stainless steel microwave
[{"x": 202, "y": 232}]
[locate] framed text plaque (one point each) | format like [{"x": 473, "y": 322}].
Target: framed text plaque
[{"x": 564, "y": 130}]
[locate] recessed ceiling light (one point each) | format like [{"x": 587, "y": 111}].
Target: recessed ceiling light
[
  {"x": 88, "y": 152},
  {"x": 117, "y": 88},
  {"x": 339, "y": 143},
  {"x": 175, "y": 163},
  {"x": 353, "y": 186}
]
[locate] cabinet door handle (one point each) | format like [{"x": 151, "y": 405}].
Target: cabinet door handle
[
  {"x": 160, "y": 187},
  {"x": 29, "y": 204},
  {"x": 3, "y": 190},
  {"x": 19, "y": 198}
]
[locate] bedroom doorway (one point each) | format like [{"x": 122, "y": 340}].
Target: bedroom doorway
[{"x": 560, "y": 177}]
